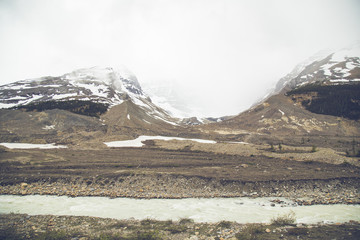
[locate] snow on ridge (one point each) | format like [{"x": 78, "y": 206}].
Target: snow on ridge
[
  {"x": 119, "y": 79},
  {"x": 63, "y": 96},
  {"x": 97, "y": 83},
  {"x": 344, "y": 80}
]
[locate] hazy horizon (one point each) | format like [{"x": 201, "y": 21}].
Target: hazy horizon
[{"x": 219, "y": 56}]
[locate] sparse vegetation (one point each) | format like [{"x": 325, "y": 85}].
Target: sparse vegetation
[
  {"x": 173, "y": 229},
  {"x": 13, "y": 227},
  {"x": 284, "y": 220},
  {"x": 308, "y": 161},
  {"x": 148, "y": 221},
  {"x": 272, "y": 147},
  {"x": 251, "y": 232},
  {"x": 298, "y": 231},
  {"x": 313, "y": 149},
  {"x": 354, "y": 152},
  {"x": 347, "y": 153}
]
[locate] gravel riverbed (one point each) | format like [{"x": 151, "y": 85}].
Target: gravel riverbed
[{"x": 303, "y": 192}]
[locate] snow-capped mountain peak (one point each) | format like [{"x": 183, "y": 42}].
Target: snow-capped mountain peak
[
  {"x": 103, "y": 86},
  {"x": 98, "y": 84},
  {"x": 327, "y": 66},
  {"x": 342, "y": 66},
  {"x": 119, "y": 79}
]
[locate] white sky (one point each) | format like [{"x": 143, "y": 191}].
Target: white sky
[{"x": 222, "y": 55}]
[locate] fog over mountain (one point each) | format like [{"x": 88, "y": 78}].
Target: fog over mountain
[{"x": 213, "y": 57}]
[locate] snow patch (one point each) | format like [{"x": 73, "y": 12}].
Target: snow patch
[
  {"x": 164, "y": 120},
  {"x": 6, "y": 105},
  {"x": 138, "y": 141},
  {"x": 31, "y": 146},
  {"x": 62, "y": 96},
  {"x": 245, "y": 143},
  {"x": 49, "y": 127},
  {"x": 339, "y": 80}
]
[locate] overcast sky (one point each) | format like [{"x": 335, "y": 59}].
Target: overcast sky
[{"x": 221, "y": 55}]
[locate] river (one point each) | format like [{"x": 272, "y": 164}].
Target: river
[{"x": 241, "y": 210}]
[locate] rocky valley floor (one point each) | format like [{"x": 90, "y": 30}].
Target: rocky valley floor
[
  {"x": 170, "y": 170},
  {"x": 163, "y": 173}
]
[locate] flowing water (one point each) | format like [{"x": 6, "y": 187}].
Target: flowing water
[{"x": 242, "y": 210}]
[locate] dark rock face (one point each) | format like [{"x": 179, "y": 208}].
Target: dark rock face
[
  {"x": 336, "y": 100},
  {"x": 86, "y": 108}
]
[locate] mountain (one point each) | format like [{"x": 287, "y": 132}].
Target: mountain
[
  {"x": 103, "y": 87},
  {"x": 342, "y": 66},
  {"x": 87, "y": 103},
  {"x": 284, "y": 81},
  {"x": 320, "y": 97}
]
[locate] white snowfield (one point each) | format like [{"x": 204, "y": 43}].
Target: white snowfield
[
  {"x": 138, "y": 141},
  {"x": 31, "y": 146}
]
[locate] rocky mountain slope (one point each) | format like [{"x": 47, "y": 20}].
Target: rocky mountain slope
[
  {"x": 88, "y": 91},
  {"x": 85, "y": 104},
  {"x": 318, "y": 98}
]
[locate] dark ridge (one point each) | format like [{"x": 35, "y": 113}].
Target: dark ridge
[
  {"x": 86, "y": 108},
  {"x": 341, "y": 100}
]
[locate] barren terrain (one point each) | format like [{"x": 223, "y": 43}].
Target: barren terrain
[
  {"x": 155, "y": 172},
  {"x": 16, "y": 226}
]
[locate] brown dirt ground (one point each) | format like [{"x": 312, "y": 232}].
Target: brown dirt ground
[{"x": 34, "y": 165}]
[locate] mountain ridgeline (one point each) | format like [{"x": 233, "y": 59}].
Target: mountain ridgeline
[{"x": 321, "y": 96}]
